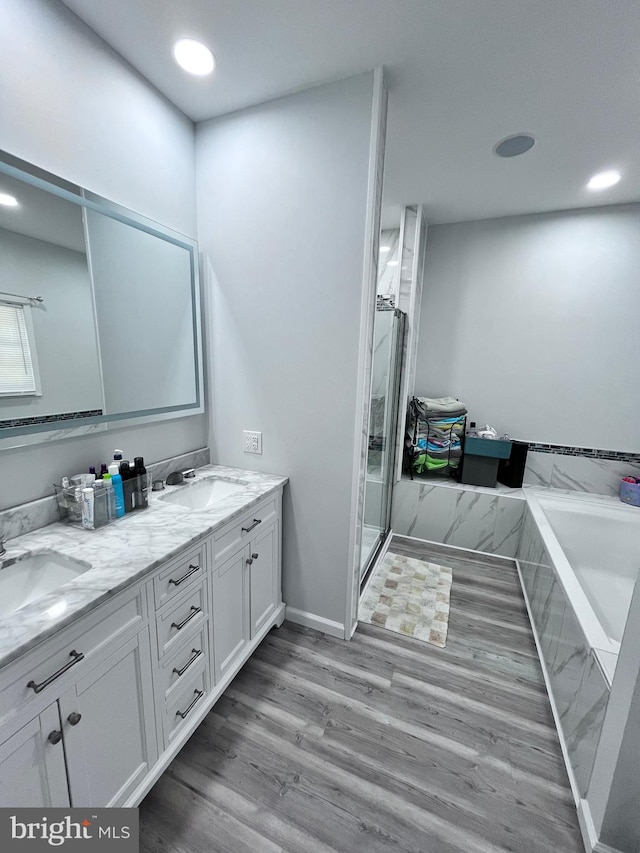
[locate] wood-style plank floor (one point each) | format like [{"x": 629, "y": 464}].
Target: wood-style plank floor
[{"x": 381, "y": 744}]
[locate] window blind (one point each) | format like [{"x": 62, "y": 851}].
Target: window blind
[{"x": 16, "y": 366}]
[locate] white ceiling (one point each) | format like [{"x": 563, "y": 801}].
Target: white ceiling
[{"x": 462, "y": 75}]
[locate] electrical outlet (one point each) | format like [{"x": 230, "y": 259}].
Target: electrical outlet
[{"x": 252, "y": 441}]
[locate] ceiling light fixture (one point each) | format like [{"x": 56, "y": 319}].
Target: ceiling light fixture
[
  {"x": 392, "y": 263},
  {"x": 514, "y": 145},
  {"x": 604, "y": 180},
  {"x": 194, "y": 57},
  {"x": 385, "y": 248},
  {"x": 8, "y": 200}
]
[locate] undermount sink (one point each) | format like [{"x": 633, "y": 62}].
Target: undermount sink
[
  {"x": 28, "y": 578},
  {"x": 204, "y": 493}
]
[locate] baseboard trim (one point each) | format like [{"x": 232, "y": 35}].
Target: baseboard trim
[
  {"x": 589, "y": 834},
  {"x": 456, "y": 547},
  {"x": 312, "y": 620}
]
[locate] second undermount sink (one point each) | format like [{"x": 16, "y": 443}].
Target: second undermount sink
[
  {"x": 204, "y": 493},
  {"x": 26, "y": 579}
]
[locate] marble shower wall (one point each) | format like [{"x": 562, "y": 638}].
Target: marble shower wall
[
  {"x": 578, "y": 687},
  {"x": 464, "y": 516},
  {"x": 577, "y": 473},
  {"x": 388, "y": 274}
]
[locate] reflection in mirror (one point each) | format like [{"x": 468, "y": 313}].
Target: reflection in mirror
[
  {"x": 42, "y": 254},
  {"x": 105, "y": 305},
  {"x": 142, "y": 290}
]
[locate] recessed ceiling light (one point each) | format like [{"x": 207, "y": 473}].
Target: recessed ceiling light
[
  {"x": 194, "y": 57},
  {"x": 8, "y": 200},
  {"x": 385, "y": 248},
  {"x": 392, "y": 264},
  {"x": 514, "y": 145},
  {"x": 603, "y": 180}
]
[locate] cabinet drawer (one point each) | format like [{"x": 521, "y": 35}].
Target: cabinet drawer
[
  {"x": 235, "y": 534},
  {"x": 184, "y": 704},
  {"x": 51, "y": 666},
  {"x": 179, "y": 618},
  {"x": 178, "y": 668},
  {"x": 179, "y": 575}
]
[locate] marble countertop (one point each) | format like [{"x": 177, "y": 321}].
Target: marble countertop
[{"x": 119, "y": 554}]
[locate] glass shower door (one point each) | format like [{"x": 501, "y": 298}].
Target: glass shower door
[{"x": 383, "y": 416}]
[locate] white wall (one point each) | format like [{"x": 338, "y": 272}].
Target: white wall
[
  {"x": 282, "y": 202},
  {"x": 72, "y": 106},
  {"x": 529, "y": 321}
]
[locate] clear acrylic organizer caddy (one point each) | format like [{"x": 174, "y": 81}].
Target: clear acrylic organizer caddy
[{"x": 70, "y": 502}]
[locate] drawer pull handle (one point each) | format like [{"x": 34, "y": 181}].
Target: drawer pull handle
[
  {"x": 182, "y": 670},
  {"x": 77, "y": 657},
  {"x": 183, "y": 714},
  {"x": 256, "y": 522},
  {"x": 193, "y": 570},
  {"x": 55, "y": 736},
  {"x": 74, "y": 718},
  {"x": 180, "y": 625}
]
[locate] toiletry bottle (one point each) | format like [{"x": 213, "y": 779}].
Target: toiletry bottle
[
  {"x": 87, "y": 508},
  {"x": 111, "y": 496},
  {"x": 128, "y": 485},
  {"x": 141, "y": 486},
  {"x": 117, "y": 456},
  {"x": 92, "y": 470},
  {"x": 103, "y": 470},
  {"x": 116, "y": 479},
  {"x": 100, "y": 508}
]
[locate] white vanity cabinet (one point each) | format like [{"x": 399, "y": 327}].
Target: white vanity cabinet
[
  {"x": 32, "y": 768},
  {"x": 87, "y": 697},
  {"x": 93, "y": 715},
  {"x": 109, "y": 727},
  {"x": 246, "y": 583}
]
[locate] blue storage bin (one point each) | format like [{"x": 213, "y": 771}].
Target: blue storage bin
[
  {"x": 496, "y": 448},
  {"x": 630, "y": 493}
]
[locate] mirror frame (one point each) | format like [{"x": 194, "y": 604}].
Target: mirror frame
[{"x": 13, "y": 437}]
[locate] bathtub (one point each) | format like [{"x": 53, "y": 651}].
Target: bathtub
[{"x": 578, "y": 560}]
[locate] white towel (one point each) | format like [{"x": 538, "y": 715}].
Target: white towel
[{"x": 441, "y": 404}]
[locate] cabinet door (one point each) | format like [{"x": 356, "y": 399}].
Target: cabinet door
[
  {"x": 109, "y": 726},
  {"x": 32, "y": 768},
  {"x": 230, "y": 616},
  {"x": 263, "y": 580}
]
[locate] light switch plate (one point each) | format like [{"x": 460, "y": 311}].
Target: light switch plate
[{"x": 252, "y": 441}]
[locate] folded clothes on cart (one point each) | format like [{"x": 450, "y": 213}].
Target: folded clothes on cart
[{"x": 430, "y": 407}]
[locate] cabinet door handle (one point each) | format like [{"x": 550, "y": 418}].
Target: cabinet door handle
[
  {"x": 256, "y": 522},
  {"x": 196, "y": 654},
  {"x": 183, "y": 714},
  {"x": 193, "y": 570},
  {"x": 77, "y": 657},
  {"x": 55, "y": 736},
  {"x": 250, "y": 560},
  {"x": 74, "y": 718},
  {"x": 180, "y": 625}
]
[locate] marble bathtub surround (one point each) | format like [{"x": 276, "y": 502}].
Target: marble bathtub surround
[
  {"x": 472, "y": 517},
  {"x": 18, "y": 520},
  {"x": 119, "y": 554},
  {"x": 576, "y": 684},
  {"x": 409, "y": 596},
  {"x": 583, "y": 473}
]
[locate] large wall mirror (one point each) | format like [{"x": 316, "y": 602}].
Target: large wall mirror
[{"x": 99, "y": 312}]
